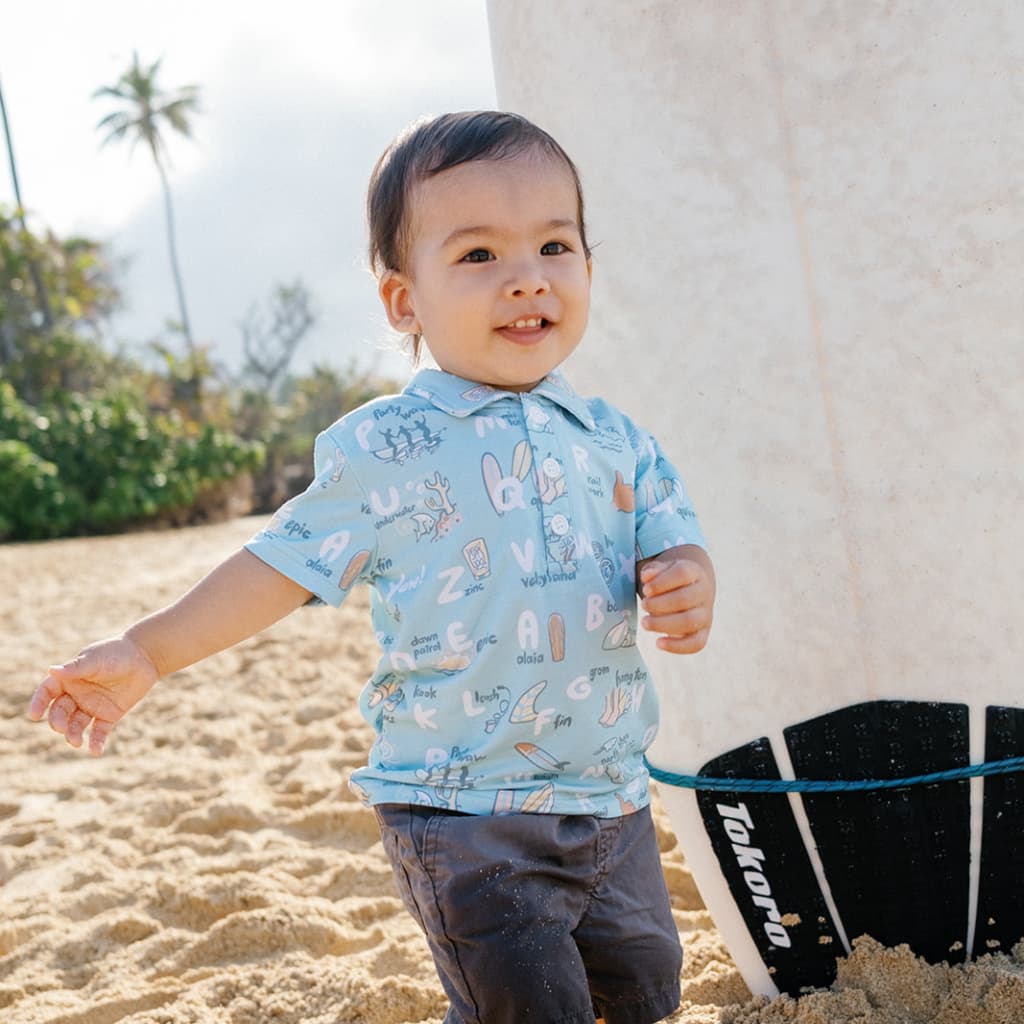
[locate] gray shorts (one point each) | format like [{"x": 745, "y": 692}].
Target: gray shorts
[{"x": 543, "y": 918}]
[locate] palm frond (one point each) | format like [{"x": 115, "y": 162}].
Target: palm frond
[
  {"x": 114, "y": 91},
  {"x": 115, "y": 119},
  {"x": 177, "y": 115},
  {"x": 146, "y": 108}
]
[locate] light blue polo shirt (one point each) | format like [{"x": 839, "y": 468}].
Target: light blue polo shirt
[{"x": 499, "y": 534}]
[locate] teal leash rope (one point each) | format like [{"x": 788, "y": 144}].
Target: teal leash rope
[{"x": 707, "y": 782}]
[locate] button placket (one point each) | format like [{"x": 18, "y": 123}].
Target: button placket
[{"x": 551, "y": 479}]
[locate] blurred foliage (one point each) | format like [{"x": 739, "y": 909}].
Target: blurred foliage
[
  {"x": 77, "y": 464},
  {"x": 80, "y": 294},
  {"x": 269, "y": 340},
  {"x": 92, "y": 441},
  {"x": 287, "y": 426}
]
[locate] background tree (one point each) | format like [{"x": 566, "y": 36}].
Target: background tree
[
  {"x": 87, "y": 445},
  {"x": 270, "y": 337},
  {"x": 269, "y": 340},
  {"x": 6, "y": 352},
  {"x": 76, "y": 275},
  {"x": 147, "y": 111}
]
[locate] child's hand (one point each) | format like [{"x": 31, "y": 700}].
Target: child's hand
[
  {"x": 677, "y": 591},
  {"x": 100, "y": 685}
]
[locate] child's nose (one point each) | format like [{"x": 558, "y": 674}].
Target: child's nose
[{"x": 527, "y": 279}]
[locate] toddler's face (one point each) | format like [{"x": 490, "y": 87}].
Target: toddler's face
[{"x": 497, "y": 281}]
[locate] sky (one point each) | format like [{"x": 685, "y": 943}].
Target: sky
[{"x": 297, "y": 102}]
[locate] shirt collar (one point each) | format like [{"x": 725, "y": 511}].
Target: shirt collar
[{"x": 459, "y": 397}]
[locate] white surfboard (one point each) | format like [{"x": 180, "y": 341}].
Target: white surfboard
[{"x": 810, "y": 228}]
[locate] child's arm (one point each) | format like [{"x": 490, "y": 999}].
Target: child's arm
[
  {"x": 677, "y": 591},
  {"x": 105, "y": 680}
]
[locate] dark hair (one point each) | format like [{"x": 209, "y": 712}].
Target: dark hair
[{"x": 433, "y": 145}]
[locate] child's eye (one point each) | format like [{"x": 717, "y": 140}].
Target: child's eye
[
  {"x": 477, "y": 256},
  {"x": 553, "y": 249}
]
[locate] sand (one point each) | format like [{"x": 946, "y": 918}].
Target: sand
[{"x": 213, "y": 867}]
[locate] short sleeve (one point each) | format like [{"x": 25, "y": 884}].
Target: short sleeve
[
  {"x": 324, "y": 539},
  {"x": 665, "y": 516}
]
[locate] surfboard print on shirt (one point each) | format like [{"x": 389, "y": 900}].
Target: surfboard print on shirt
[{"x": 407, "y": 443}]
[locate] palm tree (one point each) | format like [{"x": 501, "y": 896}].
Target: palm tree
[{"x": 147, "y": 111}]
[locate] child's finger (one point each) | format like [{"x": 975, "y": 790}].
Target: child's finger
[
  {"x": 683, "y": 644},
  {"x": 658, "y": 577},
  {"x": 680, "y": 624},
  {"x": 98, "y": 736},
  {"x": 61, "y": 711},
  {"x": 77, "y": 725},
  {"x": 680, "y": 599},
  {"x": 46, "y": 692},
  {"x": 82, "y": 666}
]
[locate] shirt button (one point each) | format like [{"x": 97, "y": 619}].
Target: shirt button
[
  {"x": 559, "y": 525},
  {"x": 552, "y": 468},
  {"x": 535, "y": 417}
]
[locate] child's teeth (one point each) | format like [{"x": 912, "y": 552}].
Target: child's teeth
[{"x": 527, "y": 323}]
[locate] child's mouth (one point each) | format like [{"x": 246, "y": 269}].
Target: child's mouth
[
  {"x": 527, "y": 330},
  {"x": 528, "y": 322}
]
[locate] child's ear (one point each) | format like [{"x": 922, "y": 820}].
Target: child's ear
[{"x": 396, "y": 294}]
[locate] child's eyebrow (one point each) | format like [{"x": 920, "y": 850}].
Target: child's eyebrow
[{"x": 555, "y": 224}]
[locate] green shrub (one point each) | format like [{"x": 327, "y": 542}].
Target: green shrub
[
  {"x": 94, "y": 465},
  {"x": 35, "y": 502}
]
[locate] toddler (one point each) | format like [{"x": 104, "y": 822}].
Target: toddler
[{"x": 504, "y": 525}]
